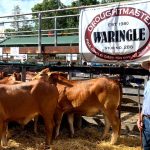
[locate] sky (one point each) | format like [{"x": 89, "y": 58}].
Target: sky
[{"x": 6, "y": 6}]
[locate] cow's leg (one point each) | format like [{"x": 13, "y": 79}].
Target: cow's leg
[
  {"x": 35, "y": 124},
  {"x": 115, "y": 123},
  {"x": 106, "y": 128},
  {"x": 58, "y": 119},
  {"x": 4, "y": 134},
  {"x": 49, "y": 124},
  {"x": 1, "y": 132},
  {"x": 78, "y": 121},
  {"x": 70, "y": 117}
]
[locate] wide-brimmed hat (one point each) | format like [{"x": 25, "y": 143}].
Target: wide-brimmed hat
[{"x": 146, "y": 64}]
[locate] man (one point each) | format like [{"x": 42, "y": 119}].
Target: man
[{"x": 143, "y": 122}]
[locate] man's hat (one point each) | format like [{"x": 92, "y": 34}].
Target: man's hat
[{"x": 146, "y": 64}]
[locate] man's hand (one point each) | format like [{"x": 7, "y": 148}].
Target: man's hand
[{"x": 140, "y": 124}]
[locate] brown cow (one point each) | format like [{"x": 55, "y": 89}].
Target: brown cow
[
  {"x": 30, "y": 75},
  {"x": 83, "y": 98},
  {"x": 88, "y": 98},
  {"x": 61, "y": 89},
  {"x": 3, "y": 74},
  {"x": 15, "y": 78},
  {"x": 21, "y": 102}
]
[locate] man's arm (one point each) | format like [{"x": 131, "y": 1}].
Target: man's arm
[{"x": 140, "y": 122}]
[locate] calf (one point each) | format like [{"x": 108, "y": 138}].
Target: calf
[
  {"x": 65, "y": 105},
  {"x": 21, "y": 102},
  {"x": 88, "y": 98}
]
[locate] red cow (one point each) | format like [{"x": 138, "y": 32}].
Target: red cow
[
  {"x": 88, "y": 98},
  {"x": 21, "y": 102}
]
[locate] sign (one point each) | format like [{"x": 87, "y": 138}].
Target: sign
[
  {"x": 119, "y": 32},
  {"x": 21, "y": 57},
  {"x": 14, "y": 51},
  {"x": 1, "y": 51},
  {"x": 70, "y": 57}
]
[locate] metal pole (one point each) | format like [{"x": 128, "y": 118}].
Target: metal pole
[
  {"x": 39, "y": 33},
  {"x": 55, "y": 31},
  {"x": 140, "y": 114},
  {"x": 23, "y": 74}
]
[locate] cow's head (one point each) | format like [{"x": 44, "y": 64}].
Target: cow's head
[
  {"x": 16, "y": 76},
  {"x": 56, "y": 77},
  {"x": 42, "y": 74}
]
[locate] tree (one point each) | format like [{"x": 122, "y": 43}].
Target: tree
[
  {"x": 110, "y": 1},
  {"x": 65, "y": 22},
  {"x": 74, "y": 21},
  {"x": 19, "y": 22},
  {"x": 49, "y": 5},
  {"x": 7, "y": 32},
  {"x": 15, "y": 24},
  {"x": 84, "y": 2}
]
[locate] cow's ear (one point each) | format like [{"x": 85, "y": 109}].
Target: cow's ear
[
  {"x": 63, "y": 74},
  {"x": 46, "y": 70},
  {"x": 53, "y": 75},
  {"x": 14, "y": 74}
]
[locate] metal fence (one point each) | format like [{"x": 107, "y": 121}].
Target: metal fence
[{"x": 37, "y": 21}]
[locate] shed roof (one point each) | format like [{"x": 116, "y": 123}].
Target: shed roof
[{"x": 24, "y": 41}]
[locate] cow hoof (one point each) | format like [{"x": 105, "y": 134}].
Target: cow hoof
[
  {"x": 56, "y": 137},
  {"x": 35, "y": 132},
  {"x": 71, "y": 136},
  {"x": 105, "y": 137},
  {"x": 48, "y": 148},
  {"x": 113, "y": 142}
]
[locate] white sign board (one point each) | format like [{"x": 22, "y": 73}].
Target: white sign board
[
  {"x": 119, "y": 32},
  {"x": 1, "y": 51},
  {"x": 14, "y": 50},
  {"x": 21, "y": 57},
  {"x": 70, "y": 57}
]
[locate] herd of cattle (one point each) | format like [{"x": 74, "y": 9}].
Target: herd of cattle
[{"x": 51, "y": 95}]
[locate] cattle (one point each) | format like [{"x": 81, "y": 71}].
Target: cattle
[
  {"x": 88, "y": 98},
  {"x": 86, "y": 94},
  {"x": 13, "y": 79},
  {"x": 21, "y": 102},
  {"x": 3, "y": 74},
  {"x": 30, "y": 75}
]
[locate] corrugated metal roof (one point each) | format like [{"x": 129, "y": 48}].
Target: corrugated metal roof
[{"x": 22, "y": 41}]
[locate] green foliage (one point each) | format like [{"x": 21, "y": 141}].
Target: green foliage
[
  {"x": 110, "y": 1},
  {"x": 15, "y": 24},
  {"x": 85, "y": 2},
  {"x": 49, "y": 5},
  {"x": 8, "y": 32},
  {"x": 19, "y": 23},
  {"x": 65, "y": 22}
]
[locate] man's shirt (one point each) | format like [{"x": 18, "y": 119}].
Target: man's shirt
[{"x": 146, "y": 101}]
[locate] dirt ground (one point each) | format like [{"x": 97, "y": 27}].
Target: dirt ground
[{"x": 86, "y": 138}]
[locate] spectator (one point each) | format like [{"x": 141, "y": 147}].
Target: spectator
[{"x": 143, "y": 121}]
